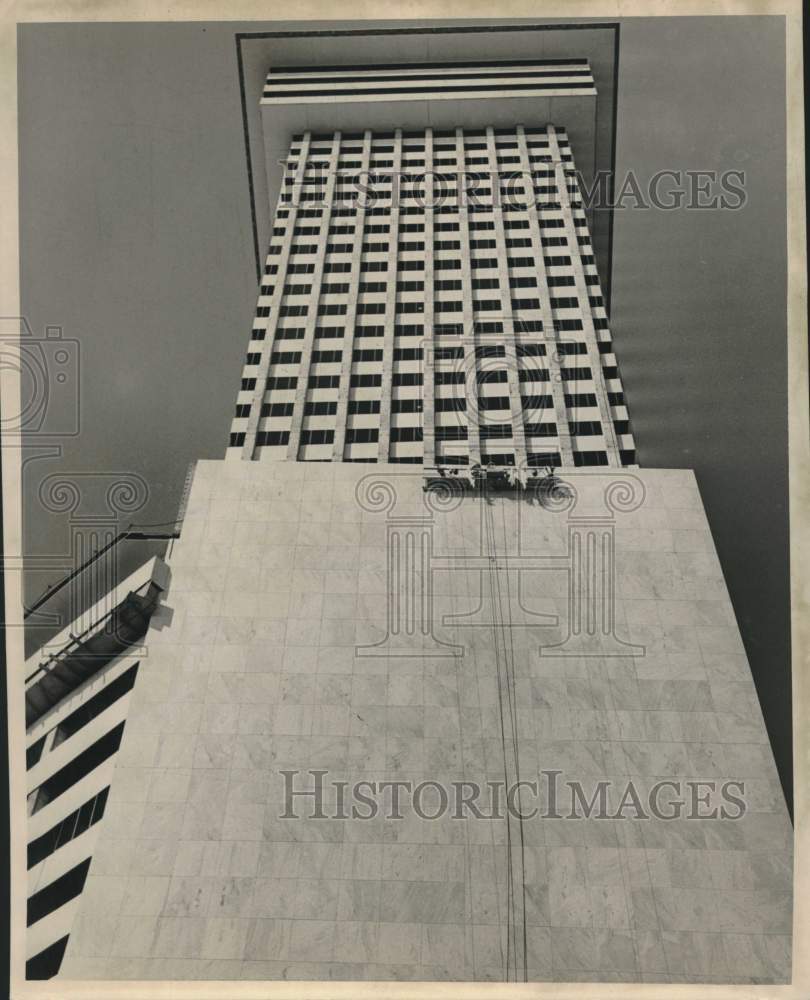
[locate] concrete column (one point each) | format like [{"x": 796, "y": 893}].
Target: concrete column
[
  {"x": 468, "y": 338},
  {"x": 314, "y": 298},
  {"x": 588, "y": 330},
  {"x": 355, "y": 277},
  {"x": 282, "y": 259},
  {"x": 518, "y": 433},
  {"x": 428, "y": 341},
  {"x": 389, "y": 319},
  {"x": 550, "y": 336}
]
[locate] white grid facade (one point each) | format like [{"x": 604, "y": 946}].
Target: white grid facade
[{"x": 432, "y": 297}]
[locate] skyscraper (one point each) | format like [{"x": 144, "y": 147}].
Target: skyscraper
[{"x": 350, "y": 614}]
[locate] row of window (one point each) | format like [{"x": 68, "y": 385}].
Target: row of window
[{"x": 442, "y": 404}]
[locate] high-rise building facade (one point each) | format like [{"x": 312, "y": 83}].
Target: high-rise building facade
[
  {"x": 432, "y": 297},
  {"x": 355, "y": 605},
  {"x": 77, "y": 692}
]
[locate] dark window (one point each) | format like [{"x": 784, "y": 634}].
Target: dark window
[
  {"x": 326, "y": 357},
  {"x": 498, "y": 431},
  {"x": 540, "y": 430},
  {"x": 282, "y": 382},
  {"x": 448, "y": 404},
  {"x": 584, "y": 428},
  {"x": 364, "y": 406},
  {"x": 406, "y": 405},
  {"x": 406, "y": 433},
  {"x": 34, "y": 752},
  {"x": 494, "y": 403},
  {"x": 580, "y": 399},
  {"x": 407, "y": 378},
  {"x": 285, "y": 357},
  {"x": 451, "y": 433},
  {"x": 319, "y": 436},
  {"x": 367, "y": 355},
  {"x": 272, "y": 437},
  {"x": 323, "y": 381},
  {"x": 68, "y": 829},
  {"x": 362, "y": 435},
  {"x": 77, "y": 768},
  {"x": 94, "y": 706},
  {"x": 59, "y": 892},
  {"x": 277, "y": 409},
  {"x": 365, "y": 381},
  {"x": 46, "y": 963},
  {"x": 533, "y": 375},
  {"x": 320, "y": 408},
  {"x": 488, "y": 377},
  {"x": 408, "y": 354},
  {"x": 537, "y": 402},
  {"x": 236, "y": 439},
  {"x": 449, "y": 378},
  {"x": 575, "y": 374}
]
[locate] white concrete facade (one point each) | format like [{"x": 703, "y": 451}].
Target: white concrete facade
[{"x": 282, "y": 574}]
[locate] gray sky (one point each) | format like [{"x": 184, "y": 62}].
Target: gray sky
[{"x": 136, "y": 239}]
